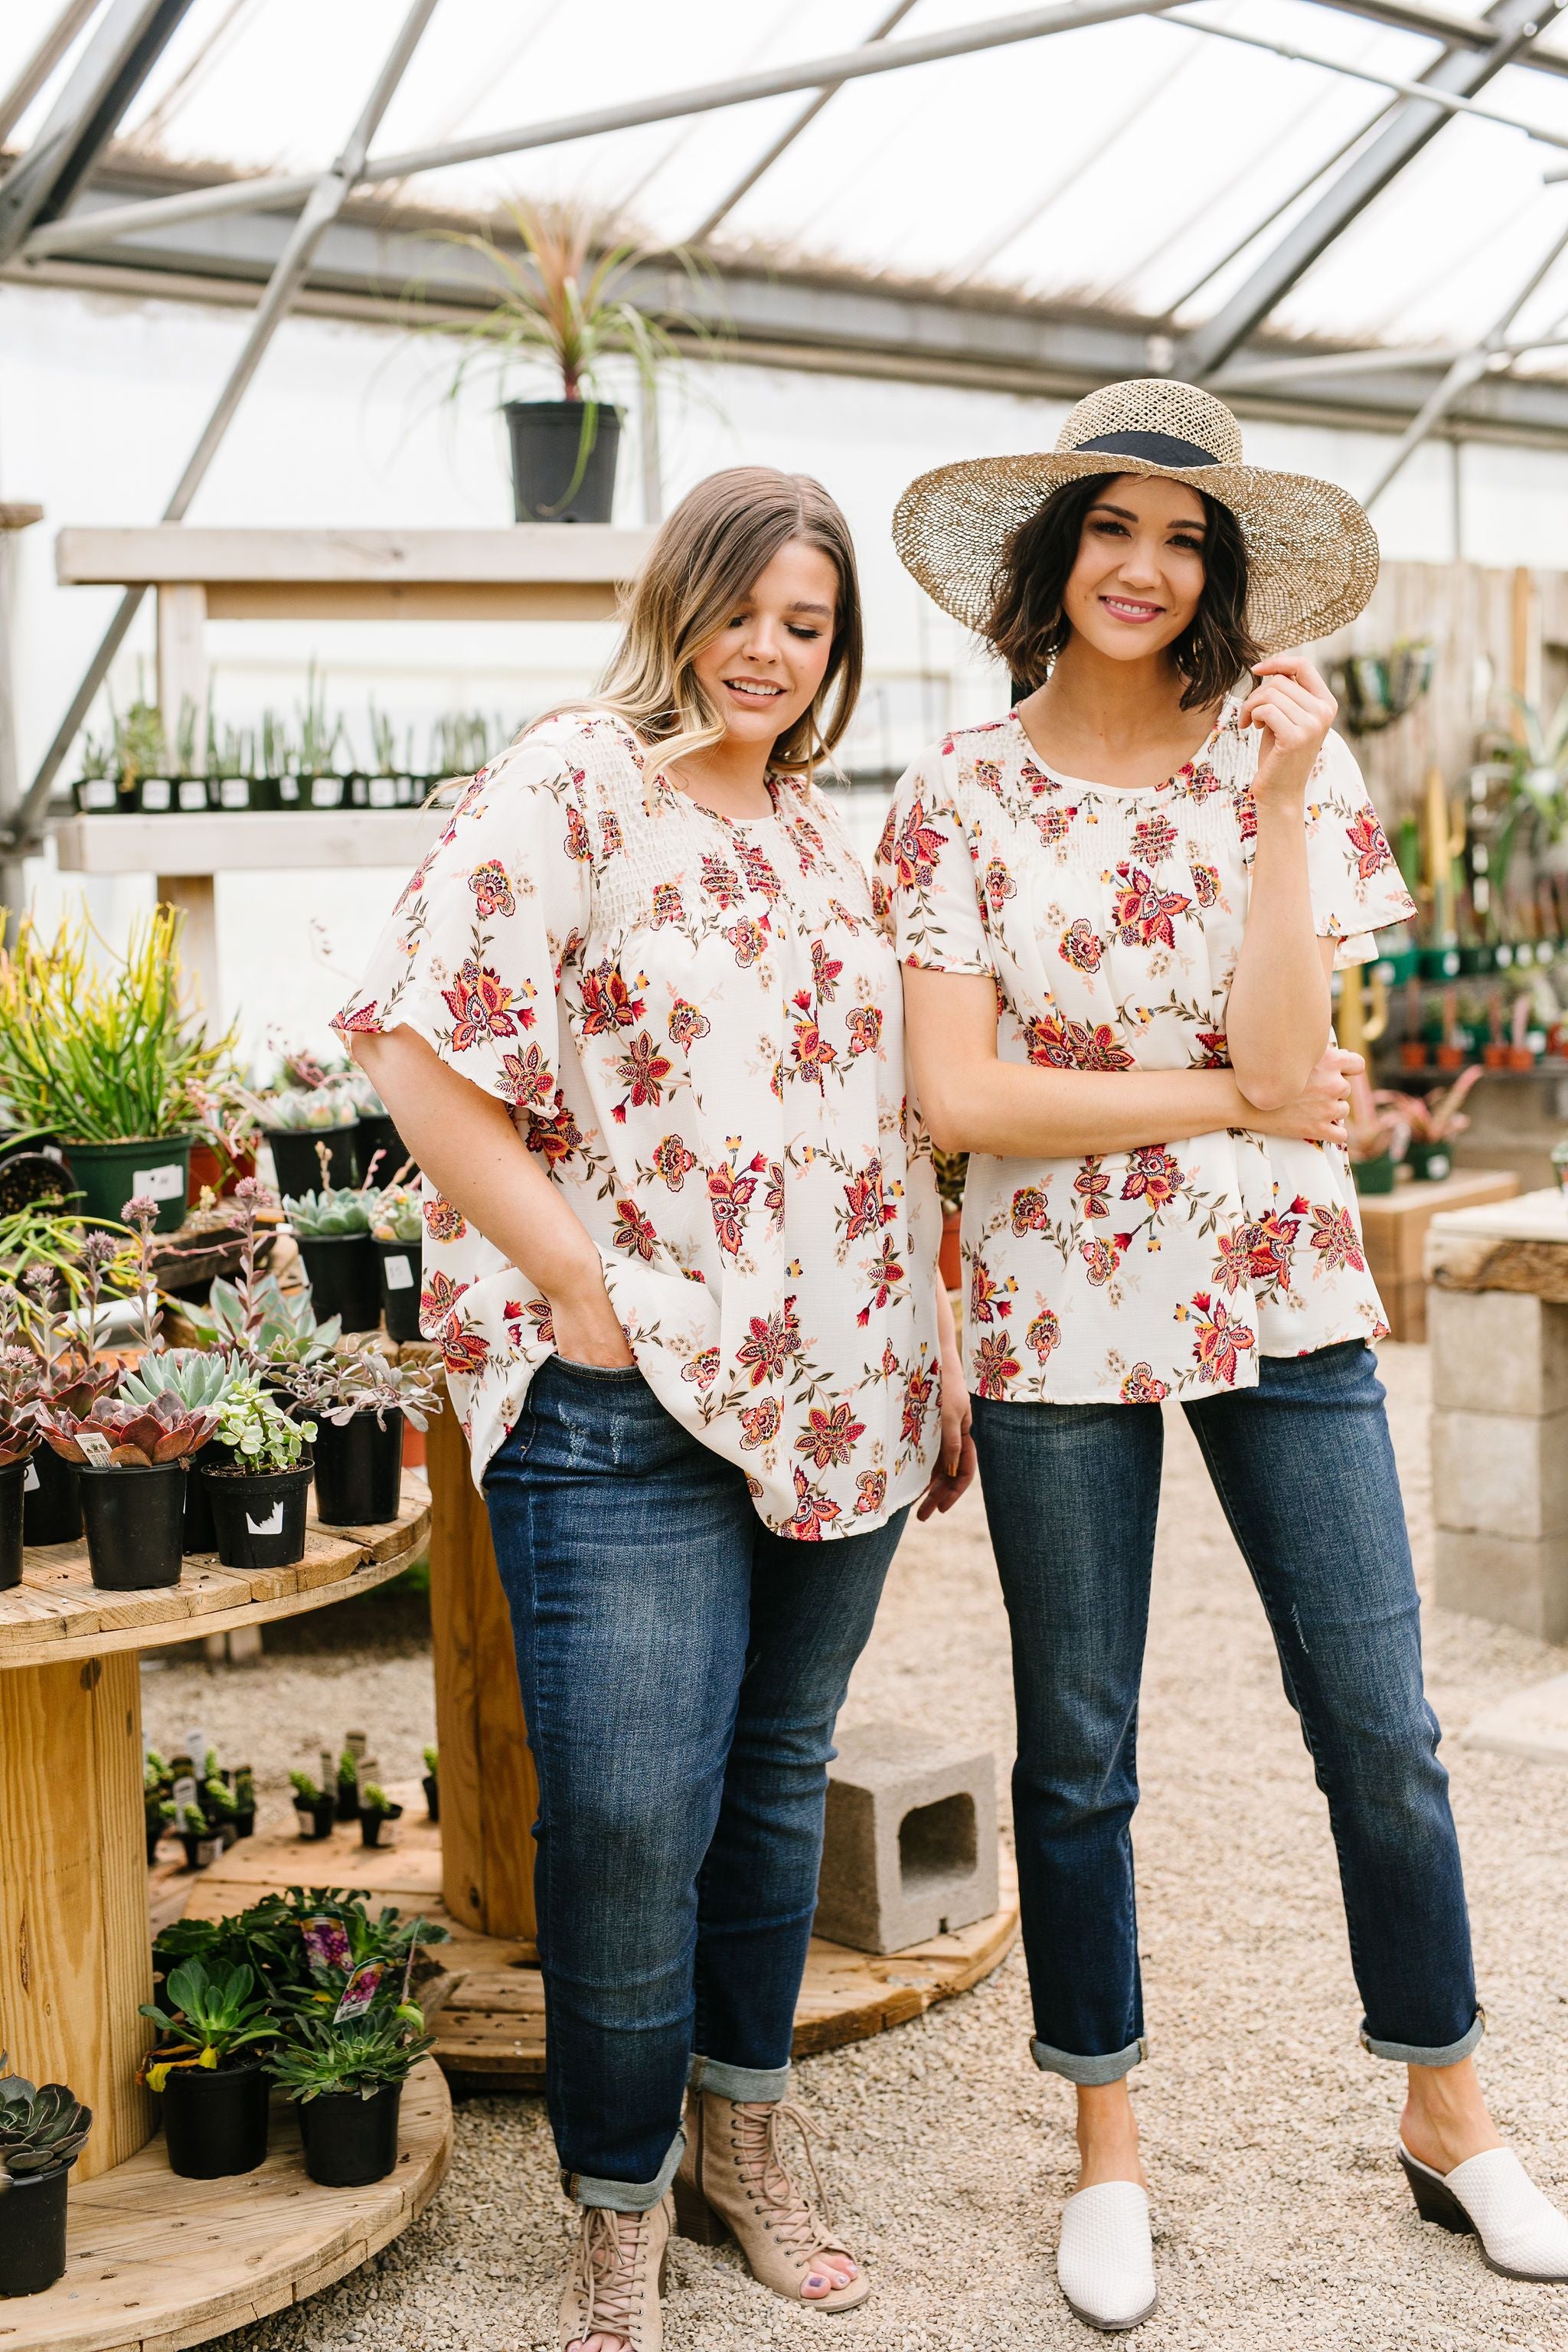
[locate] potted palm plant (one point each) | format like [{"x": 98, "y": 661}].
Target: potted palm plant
[
  {"x": 42, "y": 2132},
  {"x": 259, "y": 1483},
  {"x": 331, "y": 1226},
  {"x": 102, "y": 1051},
  {"x": 359, "y": 1404},
  {"x": 565, "y": 302},
  {"x": 207, "y": 2068}
]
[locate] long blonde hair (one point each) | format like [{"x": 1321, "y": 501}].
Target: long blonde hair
[{"x": 707, "y": 554}]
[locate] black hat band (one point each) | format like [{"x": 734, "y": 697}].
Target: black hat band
[{"x": 1159, "y": 449}]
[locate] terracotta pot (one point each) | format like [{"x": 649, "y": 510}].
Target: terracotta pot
[
  {"x": 1494, "y": 1056},
  {"x": 949, "y": 1259},
  {"x": 1450, "y": 1057},
  {"x": 1413, "y": 1055}
]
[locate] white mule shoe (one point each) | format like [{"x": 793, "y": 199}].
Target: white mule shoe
[
  {"x": 1522, "y": 2234},
  {"x": 1105, "y": 2259}
]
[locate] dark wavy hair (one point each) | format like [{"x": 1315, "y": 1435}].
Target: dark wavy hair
[{"x": 1028, "y": 625}]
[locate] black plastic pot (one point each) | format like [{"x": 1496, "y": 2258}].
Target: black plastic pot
[
  {"x": 376, "y": 1133},
  {"x": 370, "y": 1828},
  {"x": 350, "y": 2141},
  {"x": 359, "y": 1470},
  {"x": 315, "y": 1820},
  {"x": 431, "y": 1784},
  {"x": 200, "y": 1535},
  {"x": 347, "y": 1800},
  {"x": 51, "y": 1511},
  {"x": 344, "y": 1276},
  {"x": 135, "y": 1525},
  {"x": 259, "y": 1516},
  {"x": 13, "y": 1480},
  {"x": 32, "y": 2231},
  {"x": 245, "y": 1822},
  {"x": 214, "y": 2121},
  {"x": 294, "y": 1159},
  {"x": 155, "y": 1838},
  {"x": 553, "y": 480},
  {"x": 195, "y": 1858},
  {"x": 402, "y": 1273}
]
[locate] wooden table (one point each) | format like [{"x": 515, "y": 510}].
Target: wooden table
[
  {"x": 75, "y": 1944},
  {"x": 1393, "y": 1230}
]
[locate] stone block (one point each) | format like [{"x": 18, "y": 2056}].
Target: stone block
[
  {"x": 911, "y": 1847},
  {"x": 1497, "y": 1351},
  {"x": 1500, "y": 1473},
  {"x": 1508, "y": 1580}
]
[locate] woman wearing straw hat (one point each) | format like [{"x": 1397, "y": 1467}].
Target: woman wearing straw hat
[{"x": 1117, "y": 910}]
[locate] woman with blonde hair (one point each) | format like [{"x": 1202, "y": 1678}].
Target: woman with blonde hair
[{"x": 638, "y": 1023}]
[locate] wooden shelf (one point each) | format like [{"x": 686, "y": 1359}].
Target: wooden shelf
[
  {"x": 246, "y": 841},
  {"x": 58, "y": 1613},
  {"x": 154, "y": 2261}
]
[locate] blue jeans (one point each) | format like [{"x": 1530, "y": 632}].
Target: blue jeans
[
  {"x": 681, "y": 1671},
  {"x": 1304, "y": 1468}
]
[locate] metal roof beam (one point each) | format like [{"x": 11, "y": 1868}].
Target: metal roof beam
[
  {"x": 116, "y": 62},
  {"x": 1439, "y": 25},
  {"x": 30, "y": 80},
  {"x": 1513, "y": 25}
]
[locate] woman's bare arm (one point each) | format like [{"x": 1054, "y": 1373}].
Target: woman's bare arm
[
  {"x": 465, "y": 1141},
  {"x": 973, "y": 1101}
]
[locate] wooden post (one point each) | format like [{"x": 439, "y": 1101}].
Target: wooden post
[
  {"x": 182, "y": 652},
  {"x": 195, "y": 896},
  {"x": 75, "y": 1947},
  {"x": 12, "y": 519},
  {"x": 1524, "y": 667},
  {"x": 489, "y": 1791}
]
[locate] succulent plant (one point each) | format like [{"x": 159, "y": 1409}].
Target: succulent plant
[
  {"x": 334, "y": 1211},
  {"x": 296, "y": 1110},
  {"x": 260, "y": 1433},
  {"x": 341, "y": 1386},
  {"x": 18, "y": 1437},
  {"x": 215, "y": 2015},
  {"x": 41, "y": 2130},
  {"x": 139, "y": 1437},
  {"x": 287, "y": 1332},
  {"x": 200, "y": 1380},
  {"x": 396, "y": 1216},
  {"x": 363, "y": 2055}
]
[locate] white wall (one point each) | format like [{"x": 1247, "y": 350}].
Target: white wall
[{"x": 101, "y": 399}]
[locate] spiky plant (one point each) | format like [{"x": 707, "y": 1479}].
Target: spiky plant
[
  {"x": 199, "y": 1382},
  {"x": 41, "y": 2129}
]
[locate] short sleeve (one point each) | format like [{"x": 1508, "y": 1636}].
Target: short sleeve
[
  {"x": 1355, "y": 883},
  {"x": 471, "y": 958},
  {"x": 924, "y": 883}
]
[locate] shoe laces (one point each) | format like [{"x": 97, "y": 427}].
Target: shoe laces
[
  {"x": 611, "y": 2273},
  {"x": 801, "y": 2226}
]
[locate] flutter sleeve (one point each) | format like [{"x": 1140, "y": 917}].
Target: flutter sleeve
[
  {"x": 1356, "y": 885},
  {"x": 924, "y": 883},
  {"x": 472, "y": 956}
]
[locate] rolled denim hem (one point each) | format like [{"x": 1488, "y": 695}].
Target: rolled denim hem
[
  {"x": 738, "y": 2081},
  {"x": 626, "y": 2196},
  {"x": 1089, "y": 2072},
  {"x": 1409, "y": 2053}
]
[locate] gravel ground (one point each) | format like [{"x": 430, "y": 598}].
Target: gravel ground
[{"x": 1283, "y": 2225}]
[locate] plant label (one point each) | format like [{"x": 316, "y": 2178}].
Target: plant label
[
  {"x": 382, "y": 792},
  {"x": 399, "y": 1274},
  {"x": 193, "y": 792},
  {"x": 360, "y": 1991},
  {"x": 269, "y": 1523},
  {"x": 99, "y": 792},
  {"x": 52, "y": 1152},
  {"x": 32, "y": 1482},
  {"x": 326, "y": 1943},
  {"x": 183, "y": 1790},
  {"x": 156, "y": 793},
  {"x": 233, "y": 792},
  {"x": 159, "y": 1183},
  {"x": 96, "y": 1447}
]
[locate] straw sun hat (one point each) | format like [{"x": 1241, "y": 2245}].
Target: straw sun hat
[{"x": 1311, "y": 553}]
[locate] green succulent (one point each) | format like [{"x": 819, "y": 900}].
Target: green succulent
[
  {"x": 397, "y": 1216},
  {"x": 288, "y": 1333},
  {"x": 305, "y": 1793},
  {"x": 214, "y": 2014},
  {"x": 361, "y": 2056},
  {"x": 334, "y": 1211},
  {"x": 432, "y": 1758},
  {"x": 260, "y": 1433},
  {"x": 218, "y": 1800},
  {"x": 41, "y": 2130},
  {"x": 200, "y": 1380},
  {"x": 302, "y": 1111}
]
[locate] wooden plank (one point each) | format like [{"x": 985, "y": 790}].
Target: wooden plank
[
  {"x": 181, "y": 655},
  {"x": 547, "y": 553},
  {"x": 1393, "y": 1224},
  {"x": 1519, "y": 1245},
  {"x": 155, "y": 2262},
  {"x": 261, "y": 840},
  {"x": 398, "y": 600}
]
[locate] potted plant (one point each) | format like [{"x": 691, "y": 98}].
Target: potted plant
[
  {"x": 397, "y": 1229},
  {"x": 158, "y": 1806},
  {"x": 141, "y": 756},
  {"x": 1377, "y": 1136},
  {"x": 102, "y": 1051},
  {"x": 376, "y": 1810},
  {"x": 564, "y": 302},
  {"x": 346, "y": 2081},
  {"x": 1431, "y": 1122},
  {"x": 331, "y": 1226},
  {"x": 244, "y": 1785},
  {"x": 360, "y": 1404},
  {"x": 951, "y": 1168},
  {"x": 317, "y": 1806},
  {"x": 131, "y": 1460},
  {"x": 43, "y": 2130},
  {"x": 216, "y": 1800},
  {"x": 348, "y": 1783},
  {"x": 432, "y": 1782},
  {"x": 95, "y": 791},
  {"x": 301, "y": 1122},
  {"x": 196, "y": 1834},
  {"x": 321, "y": 753},
  {"x": 199, "y": 1382},
  {"x": 20, "y": 1395},
  {"x": 260, "y": 1484},
  {"x": 230, "y": 758},
  {"x": 208, "y": 2066},
  {"x": 380, "y": 1156}
]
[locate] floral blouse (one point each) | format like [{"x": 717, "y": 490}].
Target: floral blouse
[
  {"x": 697, "y": 1024},
  {"x": 1111, "y": 921}
]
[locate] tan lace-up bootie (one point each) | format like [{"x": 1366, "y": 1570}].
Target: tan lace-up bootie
[
  {"x": 733, "y": 2183},
  {"x": 617, "y": 2277}
]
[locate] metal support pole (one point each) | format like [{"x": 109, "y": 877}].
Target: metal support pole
[
  {"x": 42, "y": 63},
  {"x": 112, "y": 69},
  {"x": 14, "y": 520},
  {"x": 322, "y": 207},
  {"x": 786, "y": 138}
]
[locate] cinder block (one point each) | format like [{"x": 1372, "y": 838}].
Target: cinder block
[
  {"x": 911, "y": 1849},
  {"x": 1500, "y": 1473},
  {"x": 1508, "y": 1580},
  {"x": 1497, "y": 1351}
]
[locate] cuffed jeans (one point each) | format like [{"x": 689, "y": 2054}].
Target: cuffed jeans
[
  {"x": 1304, "y": 1469},
  {"x": 681, "y": 1671}
]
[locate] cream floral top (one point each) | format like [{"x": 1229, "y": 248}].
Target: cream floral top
[
  {"x": 1112, "y": 922},
  {"x": 697, "y": 1027}
]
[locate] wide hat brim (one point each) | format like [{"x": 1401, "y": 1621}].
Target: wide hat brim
[{"x": 1313, "y": 556}]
